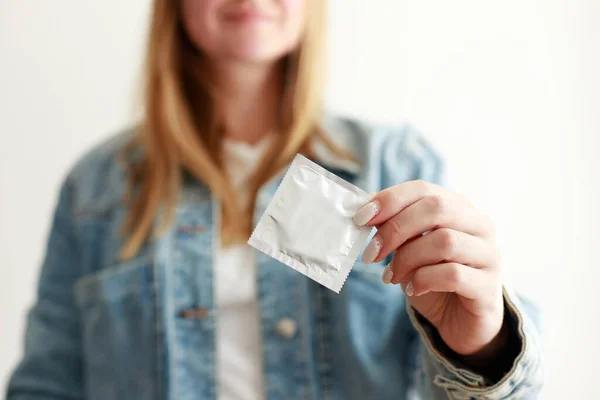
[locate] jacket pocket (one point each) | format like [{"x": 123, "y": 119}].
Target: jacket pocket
[
  {"x": 120, "y": 328},
  {"x": 368, "y": 297}
]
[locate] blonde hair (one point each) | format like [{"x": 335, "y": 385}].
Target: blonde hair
[{"x": 180, "y": 129}]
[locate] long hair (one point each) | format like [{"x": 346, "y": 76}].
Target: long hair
[{"x": 180, "y": 130}]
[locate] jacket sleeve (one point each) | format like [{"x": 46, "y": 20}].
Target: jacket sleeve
[
  {"x": 51, "y": 364},
  {"x": 440, "y": 374}
]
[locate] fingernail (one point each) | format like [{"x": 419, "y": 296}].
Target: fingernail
[
  {"x": 409, "y": 290},
  {"x": 372, "y": 250},
  {"x": 388, "y": 274},
  {"x": 366, "y": 213}
]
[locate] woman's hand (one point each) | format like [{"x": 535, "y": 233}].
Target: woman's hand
[{"x": 450, "y": 274}]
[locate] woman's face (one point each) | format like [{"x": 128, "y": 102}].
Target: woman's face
[{"x": 256, "y": 31}]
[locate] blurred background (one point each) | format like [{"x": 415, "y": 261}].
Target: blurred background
[{"x": 508, "y": 91}]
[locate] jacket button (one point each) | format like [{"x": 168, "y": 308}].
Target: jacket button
[
  {"x": 194, "y": 313},
  {"x": 286, "y": 328}
]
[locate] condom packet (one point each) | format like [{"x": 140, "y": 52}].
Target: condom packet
[{"x": 308, "y": 224}]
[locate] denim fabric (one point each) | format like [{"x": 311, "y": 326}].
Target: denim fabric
[{"x": 103, "y": 328}]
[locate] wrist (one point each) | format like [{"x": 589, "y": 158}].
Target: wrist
[
  {"x": 490, "y": 352},
  {"x": 497, "y": 357}
]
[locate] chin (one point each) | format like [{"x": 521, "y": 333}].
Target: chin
[
  {"x": 257, "y": 49},
  {"x": 257, "y": 55}
]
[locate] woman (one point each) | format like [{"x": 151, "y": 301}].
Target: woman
[{"x": 149, "y": 291}]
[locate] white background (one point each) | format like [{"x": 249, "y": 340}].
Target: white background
[{"x": 509, "y": 91}]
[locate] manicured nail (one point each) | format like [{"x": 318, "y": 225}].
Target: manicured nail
[
  {"x": 387, "y": 275},
  {"x": 372, "y": 250},
  {"x": 409, "y": 290},
  {"x": 366, "y": 213}
]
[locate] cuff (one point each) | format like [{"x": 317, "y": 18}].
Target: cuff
[{"x": 445, "y": 371}]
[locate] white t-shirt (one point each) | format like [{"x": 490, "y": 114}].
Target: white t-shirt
[{"x": 238, "y": 337}]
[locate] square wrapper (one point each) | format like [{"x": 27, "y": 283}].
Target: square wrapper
[{"x": 308, "y": 224}]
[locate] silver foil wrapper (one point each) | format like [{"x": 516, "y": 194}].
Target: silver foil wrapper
[{"x": 308, "y": 224}]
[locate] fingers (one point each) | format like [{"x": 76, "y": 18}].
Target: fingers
[
  {"x": 456, "y": 278},
  {"x": 441, "y": 245},
  {"x": 391, "y": 201},
  {"x": 428, "y": 213}
]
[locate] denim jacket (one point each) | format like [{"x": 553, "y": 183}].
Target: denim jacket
[{"x": 103, "y": 328}]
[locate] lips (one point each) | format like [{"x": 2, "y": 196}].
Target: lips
[{"x": 247, "y": 16}]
